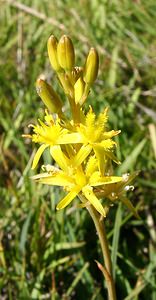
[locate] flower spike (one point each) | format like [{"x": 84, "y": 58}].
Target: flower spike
[{"x": 81, "y": 146}]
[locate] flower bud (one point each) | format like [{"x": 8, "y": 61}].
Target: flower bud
[
  {"x": 49, "y": 97},
  {"x": 91, "y": 66},
  {"x": 79, "y": 89},
  {"x": 65, "y": 53},
  {"x": 76, "y": 73},
  {"x": 52, "y": 52}
]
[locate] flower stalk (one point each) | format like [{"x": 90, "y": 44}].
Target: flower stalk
[
  {"x": 81, "y": 145},
  {"x": 107, "y": 264},
  {"x": 107, "y": 270}
]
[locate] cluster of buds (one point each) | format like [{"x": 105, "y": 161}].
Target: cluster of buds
[
  {"x": 76, "y": 81},
  {"x": 81, "y": 145}
]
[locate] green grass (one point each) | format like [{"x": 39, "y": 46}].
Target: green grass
[{"x": 46, "y": 254}]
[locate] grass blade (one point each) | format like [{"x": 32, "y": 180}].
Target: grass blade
[
  {"x": 77, "y": 279},
  {"x": 131, "y": 159}
]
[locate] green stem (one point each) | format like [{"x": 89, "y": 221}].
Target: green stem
[
  {"x": 105, "y": 251},
  {"x": 69, "y": 91}
]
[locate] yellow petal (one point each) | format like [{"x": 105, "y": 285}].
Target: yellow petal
[
  {"x": 104, "y": 180},
  {"x": 67, "y": 199},
  {"x": 38, "y": 155},
  {"x": 60, "y": 157},
  {"x": 103, "y": 118},
  {"x": 100, "y": 158},
  {"x": 101, "y": 150},
  {"x": 59, "y": 179},
  {"x": 110, "y": 134},
  {"x": 90, "y": 118},
  {"x": 89, "y": 194},
  {"x": 91, "y": 166},
  {"x": 72, "y": 138},
  {"x": 80, "y": 177},
  {"x": 107, "y": 144},
  {"x": 81, "y": 155}
]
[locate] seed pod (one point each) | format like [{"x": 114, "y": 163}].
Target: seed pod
[
  {"x": 91, "y": 66},
  {"x": 49, "y": 97},
  {"x": 52, "y": 52},
  {"x": 65, "y": 53},
  {"x": 79, "y": 89}
]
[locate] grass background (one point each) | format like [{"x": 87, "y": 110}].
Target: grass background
[{"x": 49, "y": 255}]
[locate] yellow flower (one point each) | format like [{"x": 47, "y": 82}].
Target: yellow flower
[
  {"x": 50, "y": 134},
  {"x": 76, "y": 179},
  {"x": 93, "y": 132},
  {"x": 82, "y": 147}
]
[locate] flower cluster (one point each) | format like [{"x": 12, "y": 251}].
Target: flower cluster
[{"x": 81, "y": 145}]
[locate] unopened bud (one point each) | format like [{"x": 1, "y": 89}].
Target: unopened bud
[
  {"x": 65, "y": 53},
  {"x": 91, "y": 66},
  {"x": 49, "y": 97},
  {"x": 79, "y": 89},
  {"x": 76, "y": 73},
  {"x": 52, "y": 52}
]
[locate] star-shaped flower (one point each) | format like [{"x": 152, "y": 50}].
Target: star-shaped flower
[
  {"x": 93, "y": 132},
  {"x": 49, "y": 134},
  {"x": 76, "y": 180}
]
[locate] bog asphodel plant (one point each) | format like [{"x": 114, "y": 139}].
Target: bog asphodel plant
[{"x": 81, "y": 145}]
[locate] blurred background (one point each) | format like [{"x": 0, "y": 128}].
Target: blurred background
[{"x": 49, "y": 255}]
